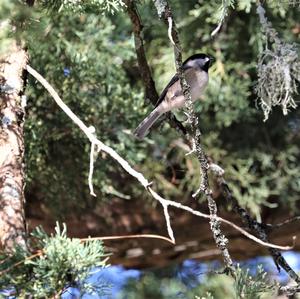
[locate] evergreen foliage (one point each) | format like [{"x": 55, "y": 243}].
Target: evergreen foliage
[
  {"x": 252, "y": 286},
  {"x": 87, "y": 68},
  {"x": 60, "y": 262},
  {"x": 80, "y": 6}
]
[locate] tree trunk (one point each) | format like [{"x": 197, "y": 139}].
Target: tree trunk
[{"x": 12, "y": 220}]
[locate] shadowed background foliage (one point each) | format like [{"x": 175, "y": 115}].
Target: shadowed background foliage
[{"x": 90, "y": 59}]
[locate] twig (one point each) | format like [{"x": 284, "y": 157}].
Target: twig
[
  {"x": 289, "y": 290},
  {"x": 216, "y": 30},
  {"x": 278, "y": 225},
  {"x": 168, "y": 222},
  {"x": 148, "y": 236},
  {"x": 139, "y": 176},
  {"x": 39, "y": 253},
  {"x": 224, "y": 8},
  {"x": 90, "y": 179},
  {"x": 170, "y": 22},
  {"x": 203, "y": 215}
]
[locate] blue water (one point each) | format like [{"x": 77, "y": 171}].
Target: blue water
[{"x": 114, "y": 278}]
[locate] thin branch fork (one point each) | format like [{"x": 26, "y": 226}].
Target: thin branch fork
[
  {"x": 286, "y": 222},
  {"x": 142, "y": 180}
]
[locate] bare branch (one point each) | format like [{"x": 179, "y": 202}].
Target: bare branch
[
  {"x": 137, "y": 27},
  {"x": 170, "y": 22},
  {"x": 139, "y": 176},
  {"x": 203, "y": 215},
  {"x": 290, "y": 290},
  {"x": 217, "y": 29},
  {"x": 286, "y": 222},
  {"x": 90, "y": 179},
  {"x": 223, "y": 14},
  {"x": 168, "y": 222},
  {"x": 147, "y": 236}
]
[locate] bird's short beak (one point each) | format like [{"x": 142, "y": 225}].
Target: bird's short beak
[{"x": 211, "y": 59}]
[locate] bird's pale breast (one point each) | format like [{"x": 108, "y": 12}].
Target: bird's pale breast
[
  {"x": 174, "y": 97},
  {"x": 198, "y": 81}
]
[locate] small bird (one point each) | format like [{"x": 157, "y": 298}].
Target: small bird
[{"x": 196, "y": 73}]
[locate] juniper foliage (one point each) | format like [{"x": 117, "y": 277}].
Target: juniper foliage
[
  {"x": 80, "y": 6},
  {"x": 50, "y": 265}
]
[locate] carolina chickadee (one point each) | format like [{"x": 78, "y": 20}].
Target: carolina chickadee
[{"x": 196, "y": 73}]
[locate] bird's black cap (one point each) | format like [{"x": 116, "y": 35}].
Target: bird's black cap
[
  {"x": 199, "y": 56},
  {"x": 203, "y": 63}
]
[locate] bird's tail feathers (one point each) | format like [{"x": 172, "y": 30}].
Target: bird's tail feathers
[{"x": 143, "y": 128}]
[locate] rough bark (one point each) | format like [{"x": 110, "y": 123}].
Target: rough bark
[
  {"x": 12, "y": 220},
  {"x": 150, "y": 90}
]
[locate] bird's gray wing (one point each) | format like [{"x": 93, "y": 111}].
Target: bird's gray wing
[
  {"x": 164, "y": 92},
  {"x": 172, "y": 81}
]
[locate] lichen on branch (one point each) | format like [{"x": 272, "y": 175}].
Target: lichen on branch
[{"x": 278, "y": 70}]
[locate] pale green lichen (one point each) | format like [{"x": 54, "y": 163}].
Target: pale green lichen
[
  {"x": 278, "y": 70},
  {"x": 160, "y": 7}
]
